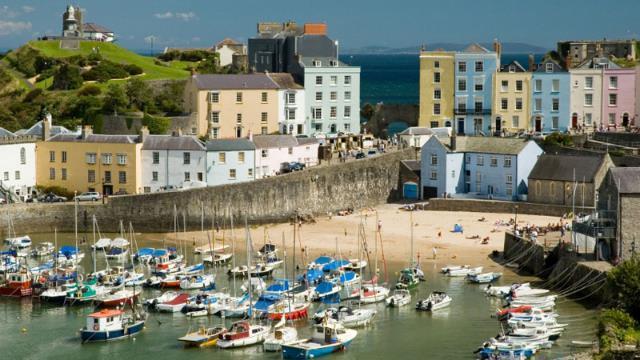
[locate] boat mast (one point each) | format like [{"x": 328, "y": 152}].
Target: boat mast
[
  {"x": 213, "y": 217},
  {"x": 411, "y": 225},
  {"x": 294, "y": 253},
  {"x": 284, "y": 264},
  {"x": 248, "y": 236},
  {"x": 184, "y": 231},
  {"x": 233, "y": 251},
  {"x": 95, "y": 254},
  {"x": 175, "y": 224}
]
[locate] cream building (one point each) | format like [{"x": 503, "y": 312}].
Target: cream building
[
  {"x": 586, "y": 95},
  {"x": 511, "y": 93}
]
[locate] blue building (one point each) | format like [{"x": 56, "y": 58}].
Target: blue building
[
  {"x": 550, "y": 97},
  {"x": 474, "y": 70},
  {"x": 477, "y": 167},
  {"x": 230, "y": 161}
]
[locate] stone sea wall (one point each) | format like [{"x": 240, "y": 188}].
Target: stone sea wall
[{"x": 497, "y": 206}]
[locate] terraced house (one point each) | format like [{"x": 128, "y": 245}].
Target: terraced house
[
  {"x": 586, "y": 93},
  {"x": 550, "y": 97},
  {"x": 437, "y": 78},
  {"x": 511, "y": 98},
  {"x": 618, "y": 97}
]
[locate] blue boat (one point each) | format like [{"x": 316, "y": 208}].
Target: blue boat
[
  {"x": 326, "y": 289},
  {"x": 326, "y": 339},
  {"x": 335, "y": 265},
  {"x": 110, "y": 324}
]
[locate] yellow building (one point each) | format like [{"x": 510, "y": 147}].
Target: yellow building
[
  {"x": 511, "y": 94},
  {"x": 108, "y": 164},
  {"x": 231, "y": 106},
  {"x": 437, "y": 74}
]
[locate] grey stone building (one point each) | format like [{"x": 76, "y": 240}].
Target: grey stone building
[
  {"x": 575, "y": 52},
  {"x": 568, "y": 179}
]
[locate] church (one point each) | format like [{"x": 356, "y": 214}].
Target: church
[{"x": 73, "y": 27}]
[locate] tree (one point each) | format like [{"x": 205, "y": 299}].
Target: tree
[
  {"x": 624, "y": 282},
  {"x": 67, "y": 77},
  {"x": 140, "y": 95},
  {"x": 170, "y": 99},
  {"x": 156, "y": 125},
  {"x": 115, "y": 99},
  {"x": 367, "y": 111}
]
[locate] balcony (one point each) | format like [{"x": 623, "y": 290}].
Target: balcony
[{"x": 472, "y": 111}]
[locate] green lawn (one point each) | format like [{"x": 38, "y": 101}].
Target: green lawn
[{"x": 113, "y": 53}]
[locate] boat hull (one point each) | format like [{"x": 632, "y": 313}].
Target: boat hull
[
  {"x": 16, "y": 292},
  {"x": 96, "y": 336},
  {"x": 301, "y": 352}
]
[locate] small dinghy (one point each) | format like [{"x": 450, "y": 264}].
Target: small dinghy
[
  {"x": 356, "y": 264},
  {"x": 204, "y": 337},
  {"x": 484, "y": 278},
  {"x": 197, "y": 313},
  {"x": 436, "y": 300},
  {"x": 464, "y": 272},
  {"x": 399, "y": 298}
]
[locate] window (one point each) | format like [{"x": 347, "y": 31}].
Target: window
[
  {"x": 241, "y": 157},
  {"x": 291, "y": 114},
  {"x": 436, "y": 64},
  {"x": 347, "y": 80},
  {"x": 509, "y": 177},
  {"x": 238, "y": 97},
  {"x": 462, "y": 84},
  {"x": 434, "y": 175},
  {"x": 317, "y": 113},
  {"x": 548, "y": 67},
  {"x": 462, "y": 66},
  {"x": 265, "y": 153},
  {"x": 509, "y": 190},
  {"x": 200, "y": 176},
  {"x": 478, "y": 106},
  {"x": 555, "y": 104},
  {"x": 537, "y": 105},
  {"x": 347, "y": 127},
  {"x": 612, "y": 118},
  {"x": 478, "y": 84},
  {"x": 461, "y": 104},
  {"x": 106, "y": 159},
  {"x": 555, "y": 85},
  {"x": 6, "y": 176},
  {"x": 52, "y": 156},
  {"x": 507, "y": 162},
  {"x": 232, "y": 174},
  {"x": 515, "y": 121},
  {"x": 122, "y": 177},
  {"x": 147, "y": 189},
  {"x": 436, "y": 77},
  {"x": 290, "y": 151},
  {"x": 91, "y": 176},
  {"x": 264, "y": 130},
  {"x": 504, "y": 104},
  {"x": 222, "y": 157},
  {"x": 554, "y": 122},
  {"x": 587, "y": 118},
  {"x": 291, "y": 98},
  {"x": 333, "y": 80},
  {"x": 493, "y": 161},
  {"x": 504, "y": 86},
  {"x": 437, "y": 94},
  {"x": 479, "y": 66},
  {"x": 52, "y": 174},
  {"x": 518, "y": 103},
  {"x": 215, "y": 117},
  {"x": 154, "y": 176},
  {"x": 347, "y": 111},
  {"x": 588, "y": 99},
  {"x": 436, "y": 109},
  {"x": 215, "y": 132},
  {"x": 318, "y": 80},
  {"x": 333, "y": 96},
  {"x": 347, "y": 95},
  {"x": 538, "y": 188},
  {"x": 122, "y": 159},
  {"x": 467, "y": 159},
  {"x": 453, "y": 174},
  {"x": 434, "y": 124},
  {"x": 588, "y": 82},
  {"x": 519, "y": 85},
  {"x": 107, "y": 177},
  {"x": 23, "y": 156},
  {"x": 187, "y": 176},
  {"x": 264, "y": 97},
  {"x": 64, "y": 174},
  {"x": 613, "y": 82},
  {"x": 478, "y": 181},
  {"x": 156, "y": 157},
  {"x": 318, "y": 95},
  {"x": 480, "y": 160},
  {"x": 64, "y": 156},
  {"x": 250, "y": 173},
  {"x": 333, "y": 113},
  {"x": 613, "y": 99},
  {"x": 537, "y": 85},
  {"x": 214, "y": 97},
  {"x": 263, "y": 117},
  {"x": 316, "y": 63},
  {"x": 552, "y": 188},
  {"x": 238, "y": 118}
]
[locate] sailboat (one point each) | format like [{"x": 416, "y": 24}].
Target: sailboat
[
  {"x": 326, "y": 339},
  {"x": 233, "y": 306},
  {"x": 410, "y": 276},
  {"x": 281, "y": 335},
  {"x": 371, "y": 292}
]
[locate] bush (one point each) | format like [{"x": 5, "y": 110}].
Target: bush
[
  {"x": 133, "y": 69},
  {"x": 67, "y": 77},
  {"x": 33, "y": 95},
  {"x": 156, "y": 125},
  {"x": 105, "y": 71},
  {"x": 89, "y": 90},
  {"x": 624, "y": 282},
  {"x": 557, "y": 138},
  {"x": 58, "y": 190}
]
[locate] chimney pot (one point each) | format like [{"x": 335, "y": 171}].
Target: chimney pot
[
  {"x": 144, "y": 133},
  {"x": 86, "y": 131}
]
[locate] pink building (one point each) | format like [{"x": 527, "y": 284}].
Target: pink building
[{"x": 618, "y": 98}]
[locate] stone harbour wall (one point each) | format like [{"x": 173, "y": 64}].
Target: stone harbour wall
[{"x": 497, "y": 206}]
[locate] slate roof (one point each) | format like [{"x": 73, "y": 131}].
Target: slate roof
[
  {"x": 486, "y": 145},
  {"x": 234, "y": 81},
  {"x": 518, "y": 67},
  {"x": 556, "y": 66},
  {"x": 5, "y": 132},
  {"x": 96, "y": 138},
  {"x": 36, "y": 130},
  {"x": 308, "y": 61},
  {"x": 475, "y": 48},
  {"x": 626, "y": 179},
  {"x": 274, "y": 141},
  {"x": 413, "y": 165},
  {"x": 561, "y": 167},
  {"x": 285, "y": 81},
  {"x": 305, "y": 141},
  {"x": 93, "y": 27},
  {"x": 229, "y": 42},
  {"x": 416, "y": 130},
  {"x": 229, "y": 145},
  {"x": 168, "y": 142},
  {"x": 598, "y": 62}
]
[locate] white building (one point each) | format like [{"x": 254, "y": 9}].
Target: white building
[
  {"x": 332, "y": 89},
  {"x": 230, "y": 161},
  {"x": 95, "y": 32},
  {"x": 17, "y": 166},
  {"x": 273, "y": 151},
  {"x": 291, "y": 108},
  {"x": 417, "y": 136},
  {"x": 171, "y": 160},
  {"x": 586, "y": 94},
  {"x": 227, "y": 48}
]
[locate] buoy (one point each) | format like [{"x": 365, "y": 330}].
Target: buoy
[{"x": 24, "y": 330}]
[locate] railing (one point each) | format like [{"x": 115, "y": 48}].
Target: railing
[{"x": 472, "y": 111}]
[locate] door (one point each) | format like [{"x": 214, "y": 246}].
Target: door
[
  {"x": 498, "y": 124},
  {"x": 574, "y": 121},
  {"x": 477, "y": 126},
  {"x": 107, "y": 190},
  {"x": 410, "y": 190},
  {"x": 625, "y": 120},
  {"x": 461, "y": 126},
  {"x": 490, "y": 189},
  {"x": 429, "y": 192},
  {"x": 538, "y": 124}
]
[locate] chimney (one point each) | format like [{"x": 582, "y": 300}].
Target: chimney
[
  {"x": 176, "y": 132},
  {"x": 250, "y": 135},
  {"x": 532, "y": 62},
  {"x": 86, "y": 131},
  {"x": 497, "y": 47},
  {"x": 144, "y": 133},
  {"x": 452, "y": 141},
  {"x": 46, "y": 126}
]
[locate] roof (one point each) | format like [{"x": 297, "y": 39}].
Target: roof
[
  {"x": 475, "y": 48},
  {"x": 517, "y": 67},
  {"x": 413, "y": 165},
  {"x": 626, "y": 179},
  {"x": 486, "y": 145},
  {"x": 229, "y": 145},
  {"x": 228, "y": 41},
  {"x": 324, "y": 62},
  {"x": 92, "y": 27},
  {"x": 274, "y": 141},
  {"x": 307, "y": 141},
  {"x": 567, "y": 167},
  {"x": 285, "y": 81},
  {"x": 234, "y": 81},
  {"x": 106, "y": 313},
  {"x": 5, "y": 132},
  {"x": 598, "y": 63},
  {"x": 556, "y": 66},
  {"x": 96, "y": 138},
  {"x": 416, "y": 130},
  {"x": 169, "y": 142},
  {"x": 36, "y": 130}
]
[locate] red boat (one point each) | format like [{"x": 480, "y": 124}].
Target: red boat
[
  {"x": 170, "y": 282},
  {"x": 17, "y": 285},
  {"x": 520, "y": 309},
  {"x": 298, "y": 311}
]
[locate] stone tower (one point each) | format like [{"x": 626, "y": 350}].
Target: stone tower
[{"x": 72, "y": 22}]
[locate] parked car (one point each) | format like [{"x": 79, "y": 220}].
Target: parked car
[
  {"x": 371, "y": 152},
  {"x": 291, "y": 167},
  {"x": 360, "y": 155},
  {"x": 51, "y": 198},
  {"x": 89, "y": 196}
]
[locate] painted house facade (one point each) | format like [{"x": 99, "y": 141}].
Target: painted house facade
[
  {"x": 550, "y": 98},
  {"x": 17, "y": 166},
  {"x": 511, "y": 107},
  {"x": 291, "y": 105},
  {"x": 481, "y": 167},
  {"x": 170, "y": 161},
  {"x": 619, "y": 97},
  {"x": 437, "y": 78},
  {"x": 230, "y": 161},
  {"x": 586, "y": 95},
  {"x": 273, "y": 151}
]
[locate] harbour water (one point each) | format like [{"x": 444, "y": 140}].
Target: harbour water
[{"x": 31, "y": 330}]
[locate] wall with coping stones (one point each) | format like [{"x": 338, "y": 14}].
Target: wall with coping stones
[
  {"x": 528, "y": 255},
  {"x": 315, "y": 191},
  {"x": 496, "y": 206}
]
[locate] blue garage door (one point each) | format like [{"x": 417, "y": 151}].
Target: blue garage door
[{"x": 410, "y": 190}]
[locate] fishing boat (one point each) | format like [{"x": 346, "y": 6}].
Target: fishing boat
[
  {"x": 203, "y": 337},
  {"x": 465, "y": 271},
  {"x": 174, "y": 304},
  {"x": 399, "y": 298},
  {"x": 102, "y": 244},
  {"x": 371, "y": 293},
  {"x": 17, "y": 284},
  {"x": 43, "y": 249},
  {"x": 20, "y": 242},
  {"x": 407, "y": 279},
  {"x": 118, "y": 297},
  {"x": 111, "y": 324},
  {"x": 436, "y": 300},
  {"x": 484, "y": 278},
  {"x": 198, "y": 282},
  {"x": 241, "y": 334},
  {"x": 326, "y": 339},
  {"x": 85, "y": 293}
]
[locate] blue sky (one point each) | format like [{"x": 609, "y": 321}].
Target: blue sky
[{"x": 355, "y": 23}]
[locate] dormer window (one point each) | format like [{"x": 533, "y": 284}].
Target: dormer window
[
  {"x": 512, "y": 68},
  {"x": 548, "y": 67},
  {"x": 317, "y": 63},
  {"x": 333, "y": 63}
]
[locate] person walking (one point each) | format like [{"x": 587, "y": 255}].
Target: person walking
[{"x": 434, "y": 252}]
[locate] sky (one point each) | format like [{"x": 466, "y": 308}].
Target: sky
[{"x": 355, "y": 23}]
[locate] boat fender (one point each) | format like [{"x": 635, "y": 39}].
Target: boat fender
[
  {"x": 80, "y": 277},
  {"x": 42, "y": 280}
]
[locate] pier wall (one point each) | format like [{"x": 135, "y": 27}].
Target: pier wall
[
  {"x": 315, "y": 191},
  {"x": 529, "y": 255},
  {"x": 581, "y": 279},
  {"x": 498, "y": 206}
]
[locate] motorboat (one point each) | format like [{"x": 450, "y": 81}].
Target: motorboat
[
  {"x": 408, "y": 279},
  {"x": 153, "y": 302},
  {"x": 400, "y": 297},
  {"x": 448, "y": 268},
  {"x": 347, "y": 316},
  {"x": 484, "y": 278},
  {"x": 198, "y": 282},
  {"x": 20, "y": 242},
  {"x": 111, "y": 324},
  {"x": 326, "y": 339},
  {"x": 174, "y": 304},
  {"x": 57, "y": 294},
  {"x": 118, "y": 297},
  {"x": 203, "y": 337},
  {"x": 281, "y": 335},
  {"x": 242, "y": 333},
  {"x": 371, "y": 293},
  {"x": 465, "y": 271},
  {"x": 43, "y": 249},
  {"x": 436, "y": 300}
]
